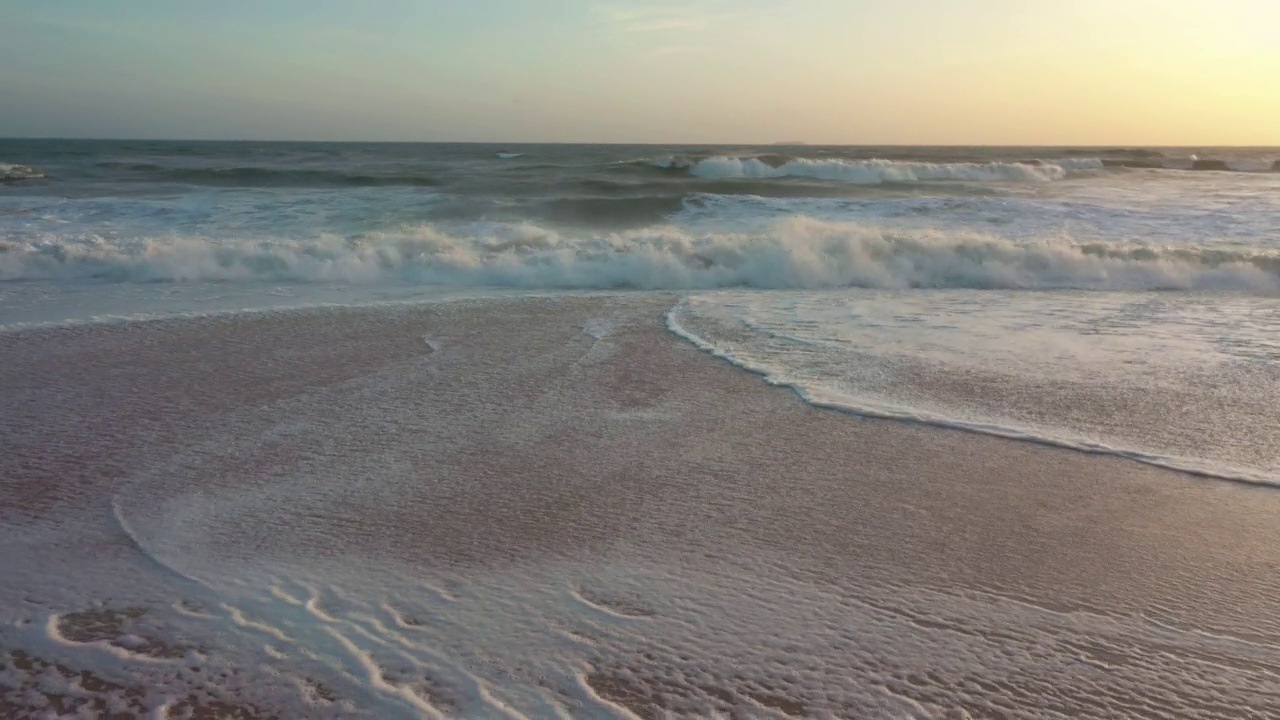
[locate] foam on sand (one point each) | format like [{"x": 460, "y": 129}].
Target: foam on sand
[
  {"x": 562, "y": 510},
  {"x": 959, "y": 362}
]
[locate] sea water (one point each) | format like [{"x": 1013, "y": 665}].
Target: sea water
[
  {"x": 1114, "y": 299},
  {"x": 368, "y": 534}
]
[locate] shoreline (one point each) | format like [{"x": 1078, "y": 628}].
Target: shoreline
[
  {"x": 860, "y": 408},
  {"x": 1241, "y": 475},
  {"x": 504, "y": 450}
]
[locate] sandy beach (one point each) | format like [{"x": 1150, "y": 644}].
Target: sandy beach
[{"x": 555, "y": 507}]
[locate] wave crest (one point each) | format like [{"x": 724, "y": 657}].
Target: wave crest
[
  {"x": 887, "y": 171},
  {"x": 18, "y": 172},
  {"x": 798, "y": 252}
]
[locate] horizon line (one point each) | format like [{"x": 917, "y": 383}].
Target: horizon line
[{"x": 21, "y": 138}]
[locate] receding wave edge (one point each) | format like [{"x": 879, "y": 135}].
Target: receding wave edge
[{"x": 870, "y": 409}]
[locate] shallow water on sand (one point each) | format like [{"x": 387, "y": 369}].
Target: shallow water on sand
[
  {"x": 440, "y": 430},
  {"x": 551, "y": 507},
  {"x": 1184, "y": 381}
]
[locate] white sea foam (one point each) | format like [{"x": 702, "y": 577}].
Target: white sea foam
[
  {"x": 284, "y": 491},
  {"x": 888, "y": 171},
  {"x": 18, "y": 172},
  {"x": 796, "y": 252},
  {"x": 378, "y": 543},
  {"x": 669, "y": 162},
  {"x": 1110, "y": 373}
]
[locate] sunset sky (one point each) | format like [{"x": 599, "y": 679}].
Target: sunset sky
[{"x": 1152, "y": 72}]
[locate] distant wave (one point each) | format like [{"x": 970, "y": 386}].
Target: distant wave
[
  {"x": 747, "y": 187},
  {"x": 1132, "y": 152},
  {"x": 18, "y": 172},
  {"x": 798, "y": 252},
  {"x": 596, "y": 208},
  {"x": 611, "y": 211},
  {"x": 253, "y": 176},
  {"x": 887, "y": 170},
  {"x": 509, "y": 155},
  {"x": 668, "y": 162},
  {"x": 1193, "y": 163},
  {"x": 882, "y": 171},
  {"x": 600, "y": 204}
]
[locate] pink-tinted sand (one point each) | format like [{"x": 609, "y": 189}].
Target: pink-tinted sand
[{"x": 553, "y": 506}]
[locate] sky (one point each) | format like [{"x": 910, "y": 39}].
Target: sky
[{"x": 1055, "y": 72}]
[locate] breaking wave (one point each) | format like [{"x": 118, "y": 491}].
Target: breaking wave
[
  {"x": 887, "y": 171},
  {"x": 891, "y": 170},
  {"x": 797, "y": 252},
  {"x": 18, "y": 172}
]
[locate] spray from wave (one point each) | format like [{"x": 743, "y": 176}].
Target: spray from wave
[{"x": 798, "y": 252}]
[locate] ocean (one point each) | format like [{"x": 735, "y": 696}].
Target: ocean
[{"x": 464, "y": 430}]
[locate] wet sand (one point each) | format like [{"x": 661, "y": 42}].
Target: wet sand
[{"x": 556, "y": 506}]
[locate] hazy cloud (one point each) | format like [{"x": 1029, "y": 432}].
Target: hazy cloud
[
  {"x": 655, "y": 19},
  {"x": 669, "y": 50}
]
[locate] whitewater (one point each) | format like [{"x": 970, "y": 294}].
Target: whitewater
[
  {"x": 414, "y": 430},
  {"x": 799, "y": 252},
  {"x": 1027, "y": 239}
]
